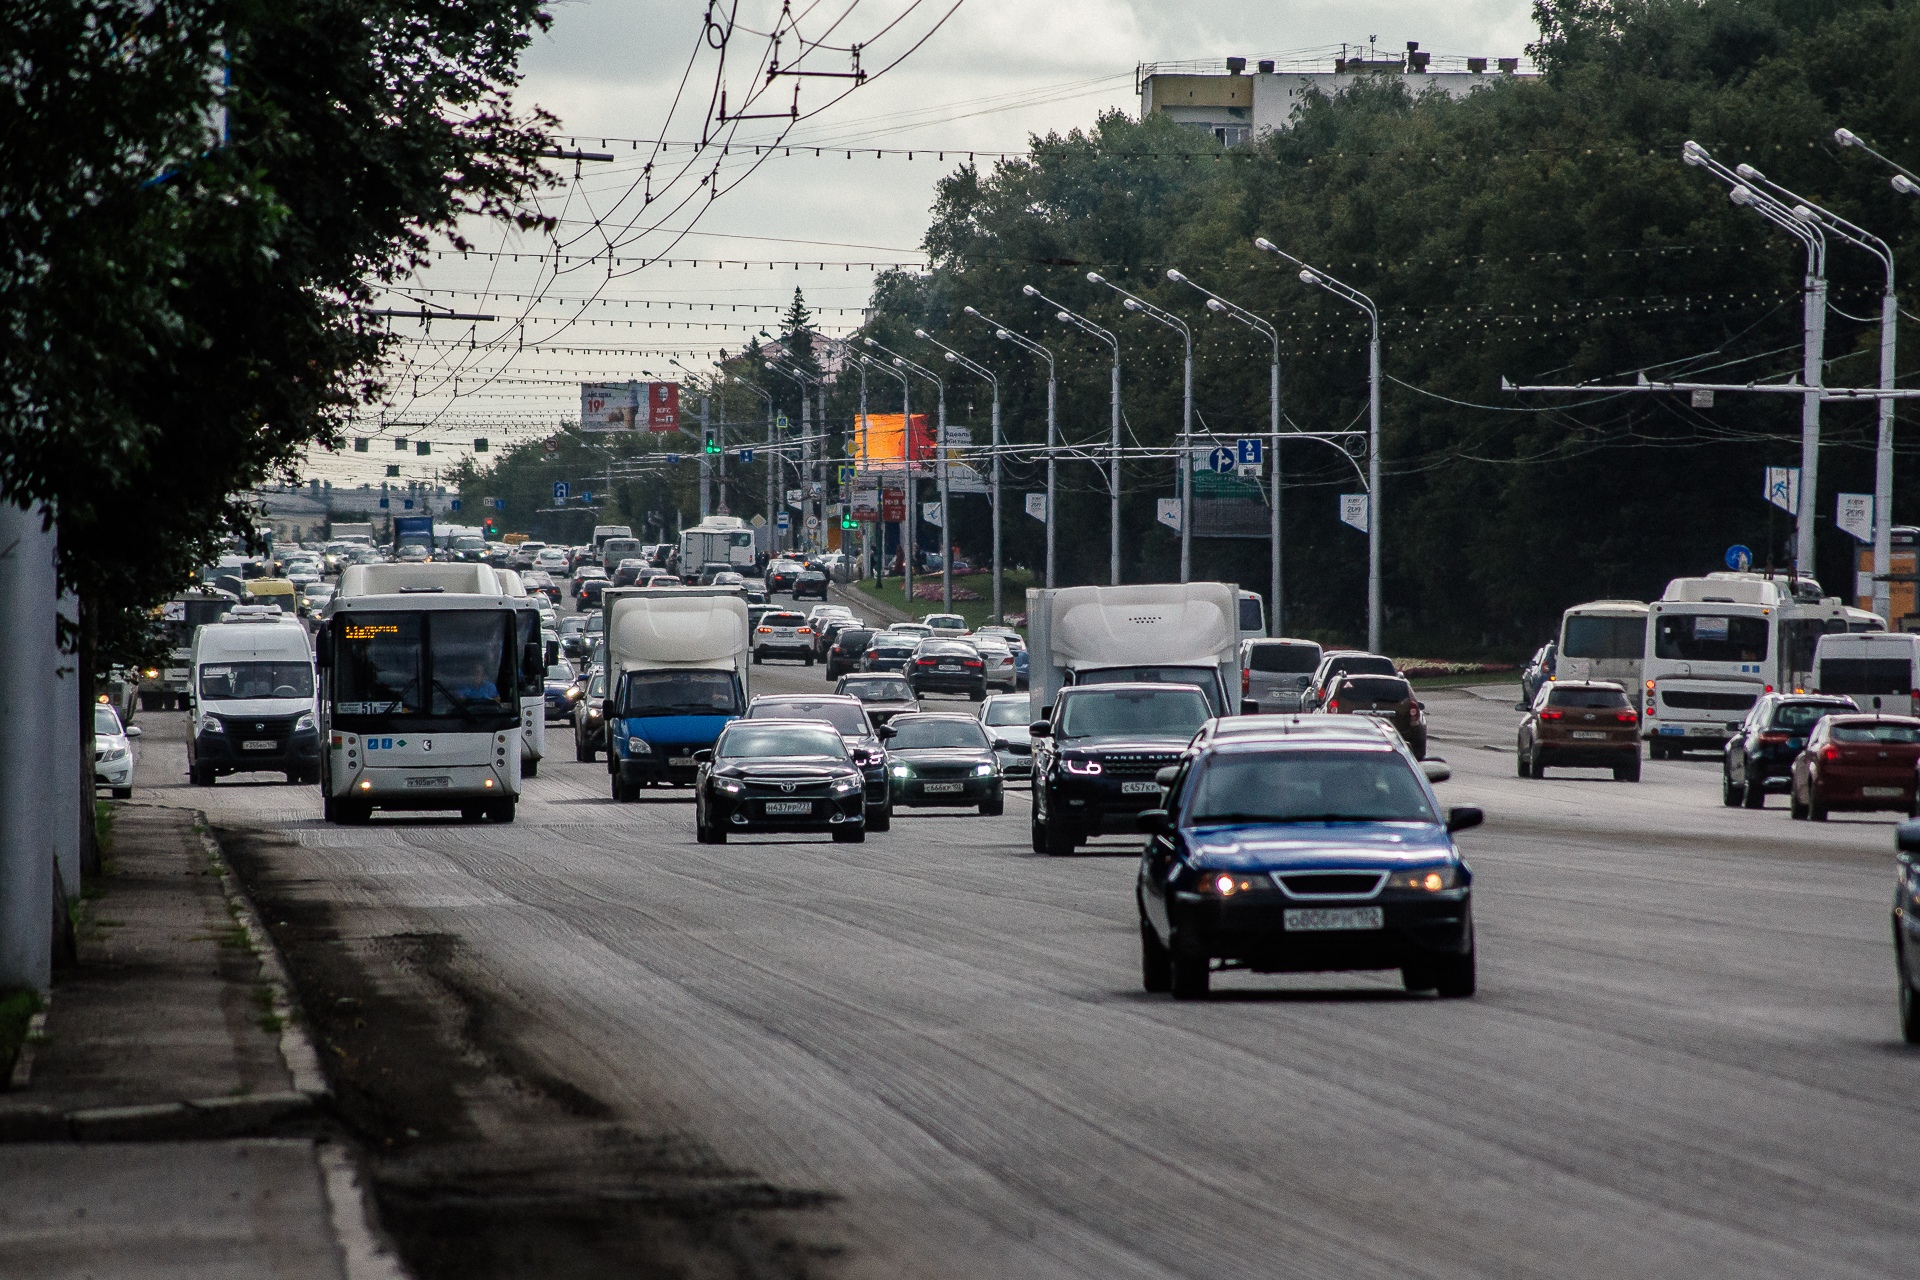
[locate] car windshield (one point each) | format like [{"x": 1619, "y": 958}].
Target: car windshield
[
  {"x": 1375, "y": 689},
  {"x": 947, "y": 649},
  {"x": 878, "y": 690},
  {"x": 1701, "y": 637},
  {"x": 598, "y": 687},
  {"x": 922, "y": 733},
  {"x": 884, "y": 644},
  {"x": 744, "y": 740},
  {"x": 1009, "y": 711},
  {"x": 1587, "y": 699},
  {"x": 1308, "y": 786},
  {"x": 562, "y": 672},
  {"x": 1284, "y": 659},
  {"x": 1882, "y": 732},
  {"x": 852, "y": 638},
  {"x": 1175, "y": 712},
  {"x": 105, "y": 720},
  {"x": 849, "y": 718},
  {"x": 1801, "y": 716},
  {"x": 684, "y": 693},
  {"x": 223, "y": 680}
]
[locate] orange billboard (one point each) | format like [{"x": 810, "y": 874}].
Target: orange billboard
[{"x": 878, "y": 444}]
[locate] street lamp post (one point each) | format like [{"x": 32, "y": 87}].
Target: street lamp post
[
  {"x": 1220, "y": 306},
  {"x": 1183, "y": 473},
  {"x": 1315, "y": 276},
  {"x": 940, "y": 435},
  {"x": 1087, "y": 326},
  {"x": 1813, "y": 327},
  {"x": 806, "y": 433},
  {"x": 954, "y": 357},
  {"x": 906, "y": 481},
  {"x": 767, "y": 396},
  {"x": 1020, "y": 340}
]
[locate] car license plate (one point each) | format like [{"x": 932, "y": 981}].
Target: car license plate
[
  {"x": 258, "y": 744},
  {"x": 1590, "y": 735},
  {"x": 788, "y": 808},
  {"x": 681, "y": 761},
  {"x": 429, "y": 782},
  {"x": 1138, "y": 788},
  {"x": 1883, "y": 793},
  {"x": 944, "y": 788},
  {"x": 1794, "y": 744},
  {"x": 1327, "y": 919},
  {"x": 949, "y": 666}
]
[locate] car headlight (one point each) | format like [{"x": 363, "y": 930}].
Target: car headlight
[
  {"x": 304, "y": 722},
  {"x": 1086, "y": 768},
  {"x": 844, "y": 785},
  {"x": 731, "y": 786},
  {"x": 593, "y": 713},
  {"x": 639, "y": 746},
  {"x": 114, "y": 753},
  {"x": 1224, "y": 884},
  {"x": 983, "y": 771},
  {"x": 1429, "y": 879},
  {"x": 211, "y": 724},
  {"x": 900, "y": 771}
]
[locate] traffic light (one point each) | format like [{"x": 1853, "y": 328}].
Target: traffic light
[
  {"x": 848, "y": 522},
  {"x": 713, "y": 446},
  {"x": 487, "y": 530}
]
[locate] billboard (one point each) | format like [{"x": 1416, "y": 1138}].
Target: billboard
[
  {"x": 629, "y": 406},
  {"x": 877, "y": 442}
]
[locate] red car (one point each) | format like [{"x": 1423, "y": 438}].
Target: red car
[{"x": 1859, "y": 763}]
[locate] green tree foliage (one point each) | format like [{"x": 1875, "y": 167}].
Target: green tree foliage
[
  {"x": 194, "y": 196},
  {"x": 1543, "y": 229}
]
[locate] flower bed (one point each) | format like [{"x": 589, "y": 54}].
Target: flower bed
[{"x": 1427, "y": 667}]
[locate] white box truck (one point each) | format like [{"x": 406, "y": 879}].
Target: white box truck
[
  {"x": 1169, "y": 633},
  {"x": 676, "y": 674},
  {"x": 716, "y": 540}
]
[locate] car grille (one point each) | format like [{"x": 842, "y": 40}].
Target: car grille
[
  {"x": 1333, "y": 884},
  {"x": 943, "y": 771},
  {"x": 762, "y": 788},
  {"x": 258, "y": 728},
  {"x": 1699, "y": 700},
  {"x": 1143, "y": 764}
]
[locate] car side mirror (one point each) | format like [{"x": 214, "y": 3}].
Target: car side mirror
[
  {"x": 323, "y": 649},
  {"x": 1906, "y": 837},
  {"x": 1436, "y": 770},
  {"x": 1040, "y": 728},
  {"x": 886, "y": 731},
  {"x": 1001, "y": 744},
  {"x": 1463, "y": 817},
  {"x": 1421, "y": 705},
  {"x": 703, "y": 756},
  {"x": 1249, "y": 707},
  {"x": 1165, "y": 776},
  {"x": 1155, "y": 822},
  {"x": 134, "y": 731}
]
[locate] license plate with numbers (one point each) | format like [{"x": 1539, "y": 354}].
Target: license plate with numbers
[
  {"x": 1328, "y": 919},
  {"x": 788, "y": 808},
  {"x": 258, "y": 744}
]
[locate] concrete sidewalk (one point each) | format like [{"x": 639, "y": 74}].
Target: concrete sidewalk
[{"x": 170, "y": 1119}]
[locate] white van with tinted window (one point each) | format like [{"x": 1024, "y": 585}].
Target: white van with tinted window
[
  {"x": 1879, "y": 670},
  {"x": 252, "y": 699}
]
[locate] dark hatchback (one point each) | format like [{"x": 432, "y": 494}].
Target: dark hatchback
[
  {"x": 848, "y": 716},
  {"x": 810, "y": 582},
  {"x": 773, "y": 776},
  {"x": 888, "y": 652},
  {"x": 843, "y": 655},
  {"x": 1293, "y": 854},
  {"x": 948, "y": 759},
  {"x": 1759, "y": 757},
  {"x": 1096, "y": 758},
  {"x": 948, "y": 666},
  {"x": 1388, "y": 698}
]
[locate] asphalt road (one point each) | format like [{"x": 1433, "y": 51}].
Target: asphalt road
[{"x": 1683, "y": 1059}]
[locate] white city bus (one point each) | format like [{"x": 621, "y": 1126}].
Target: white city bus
[
  {"x": 1603, "y": 640},
  {"x": 420, "y": 705}
]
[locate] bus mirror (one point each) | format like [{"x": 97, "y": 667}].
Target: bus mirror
[{"x": 323, "y": 649}]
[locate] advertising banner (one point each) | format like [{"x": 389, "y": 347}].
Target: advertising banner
[
  {"x": 876, "y": 441},
  {"x": 1855, "y": 515},
  {"x": 630, "y": 406},
  {"x": 663, "y": 406},
  {"x": 893, "y": 505},
  {"x": 864, "y": 499}
]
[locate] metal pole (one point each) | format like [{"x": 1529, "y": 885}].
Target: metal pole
[
  {"x": 1183, "y": 473},
  {"x": 999, "y": 617},
  {"x": 1883, "y": 460},
  {"x": 1113, "y": 479},
  {"x": 1277, "y": 614},
  {"x": 1815, "y": 324},
  {"x": 817, "y": 473},
  {"x": 706, "y": 464},
  {"x": 1053, "y": 468},
  {"x": 1373, "y": 487},
  {"x": 866, "y": 461},
  {"x": 773, "y": 471},
  {"x": 27, "y": 817},
  {"x": 908, "y": 538},
  {"x": 946, "y": 511},
  {"x": 720, "y": 439}
]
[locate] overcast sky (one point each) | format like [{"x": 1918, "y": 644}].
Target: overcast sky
[{"x": 994, "y": 73}]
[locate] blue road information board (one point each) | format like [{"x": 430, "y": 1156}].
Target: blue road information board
[
  {"x": 454, "y": 505},
  {"x": 586, "y": 497},
  {"x": 846, "y": 473},
  {"x": 1222, "y": 460},
  {"x": 559, "y": 490},
  {"x": 782, "y": 522},
  {"x": 746, "y": 455},
  {"x": 673, "y": 459},
  {"x": 1250, "y": 452},
  {"x": 1739, "y": 558}
]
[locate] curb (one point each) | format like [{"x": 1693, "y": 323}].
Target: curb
[{"x": 255, "y": 1115}]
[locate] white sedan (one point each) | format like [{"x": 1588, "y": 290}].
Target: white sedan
[{"x": 113, "y": 752}]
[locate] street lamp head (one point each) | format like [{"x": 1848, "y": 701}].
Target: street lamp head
[
  {"x": 769, "y": 364},
  {"x": 1846, "y": 137},
  {"x": 970, "y": 311},
  {"x": 1805, "y": 214},
  {"x": 1747, "y": 171},
  {"x": 1905, "y": 186},
  {"x": 1741, "y": 195},
  {"x": 898, "y": 363},
  {"x": 1062, "y": 317},
  {"x": 1131, "y": 304},
  {"x": 1174, "y": 274},
  {"x": 1029, "y": 290},
  {"x": 952, "y": 358},
  {"x": 1093, "y": 277},
  {"x": 1002, "y": 334},
  {"x": 1693, "y": 153},
  {"x": 1309, "y": 276},
  {"x": 920, "y": 333},
  {"x": 1215, "y": 305},
  {"x": 870, "y": 342},
  {"x": 1264, "y": 244}
]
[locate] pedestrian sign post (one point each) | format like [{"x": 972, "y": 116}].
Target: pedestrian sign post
[
  {"x": 1739, "y": 558},
  {"x": 559, "y": 491},
  {"x": 846, "y": 473},
  {"x": 1783, "y": 488},
  {"x": 783, "y": 422}
]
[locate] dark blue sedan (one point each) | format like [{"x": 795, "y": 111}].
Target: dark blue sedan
[
  {"x": 1292, "y": 853},
  {"x": 562, "y": 691}
]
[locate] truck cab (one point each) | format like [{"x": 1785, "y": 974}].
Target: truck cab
[{"x": 677, "y": 674}]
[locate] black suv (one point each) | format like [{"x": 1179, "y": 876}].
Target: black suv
[
  {"x": 1096, "y": 756},
  {"x": 1759, "y": 757}
]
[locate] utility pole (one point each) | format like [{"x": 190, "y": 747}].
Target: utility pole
[
  {"x": 28, "y": 785},
  {"x": 706, "y": 464}
]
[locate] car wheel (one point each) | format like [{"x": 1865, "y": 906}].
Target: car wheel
[
  {"x": 1816, "y": 811},
  {"x": 1520, "y": 761},
  {"x": 502, "y": 811},
  {"x": 880, "y": 818},
  {"x": 808, "y": 660},
  {"x": 1190, "y": 976},
  {"x": 1657, "y": 749},
  {"x": 1756, "y": 795},
  {"x": 621, "y": 791},
  {"x": 1536, "y": 763},
  {"x": 529, "y": 768},
  {"x": 1795, "y": 810},
  {"x": 472, "y": 813},
  {"x": 580, "y": 753},
  {"x": 200, "y": 775},
  {"x": 1730, "y": 795},
  {"x": 977, "y": 695},
  {"x": 994, "y": 807},
  {"x": 1039, "y": 834},
  {"x": 756, "y": 657},
  {"x": 1156, "y": 963},
  {"x": 850, "y": 835},
  {"x": 1060, "y": 840},
  {"x": 1453, "y": 976},
  {"x": 1909, "y": 998},
  {"x": 123, "y": 793},
  {"x": 1628, "y": 771}
]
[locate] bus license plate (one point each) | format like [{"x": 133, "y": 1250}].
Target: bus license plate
[
  {"x": 1672, "y": 731},
  {"x": 429, "y": 782},
  {"x": 788, "y": 808},
  {"x": 258, "y": 744},
  {"x": 1326, "y": 919}
]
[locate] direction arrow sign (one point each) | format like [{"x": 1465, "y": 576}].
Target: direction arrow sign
[
  {"x": 746, "y": 455},
  {"x": 559, "y": 490},
  {"x": 1222, "y": 460},
  {"x": 1249, "y": 451}
]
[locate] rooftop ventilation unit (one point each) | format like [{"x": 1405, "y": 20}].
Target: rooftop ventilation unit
[
  {"x": 1477, "y": 65},
  {"x": 1236, "y": 65},
  {"x": 1509, "y": 65},
  {"x": 1266, "y": 66}
]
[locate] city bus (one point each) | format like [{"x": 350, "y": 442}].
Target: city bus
[
  {"x": 1603, "y": 640},
  {"x": 420, "y": 705}
]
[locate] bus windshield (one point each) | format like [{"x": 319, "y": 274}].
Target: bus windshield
[
  {"x": 1704, "y": 637},
  {"x": 1597, "y": 636},
  {"x": 451, "y": 664}
]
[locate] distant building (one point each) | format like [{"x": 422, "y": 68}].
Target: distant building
[{"x": 1219, "y": 96}]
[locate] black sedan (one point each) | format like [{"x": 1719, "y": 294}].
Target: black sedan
[
  {"x": 1096, "y": 760},
  {"x": 848, "y": 716},
  {"x": 1759, "y": 758},
  {"x": 887, "y": 652},
  {"x": 778, "y": 776},
  {"x": 1906, "y": 929},
  {"x": 810, "y": 582},
  {"x": 843, "y": 653},
  {"x": 948, "y": 666},
  {"x": 1289, "y": 854},
  {"x": 944, "y": 760}
]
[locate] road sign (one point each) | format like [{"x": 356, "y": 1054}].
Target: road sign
[
  {"x": 559, "y": 490},
  {"x": 1249, "y": 451},
  {"x": 673, "y": 459},
  {"x": 499, "y": 504},
  {"x": 1037, "y": 506},
  {"x": 893, "y": 505},
  {"x": 454, "y": 505},
  {"x": 1783, "y": 488},
  {"x": 812, "y": 523},
  {"x": 846, "y": 473},
  {"x": 1222, "y": 460},
  {"x": 758, "y": 522},
  {"x": 586, "y": 497},
  {"x": 784, "y": 522},
  {"x": 1168, "y": 510},
  {"x": 783, "y": 422},
  {"x": 796, "y": 498},
  {"x": 1353, "y": 510},
  {"x": 1739, "y": 558},
  {"x": 931, "y": 513},
  {"x": 1855, "y": 515},
  {"x": 746, "y": 455}
]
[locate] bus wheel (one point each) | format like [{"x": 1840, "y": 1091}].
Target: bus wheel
[
  {"x": 501, "y": 811},
  {"x": 471, "y": 813},
  {"x": 529, "y": 768}
]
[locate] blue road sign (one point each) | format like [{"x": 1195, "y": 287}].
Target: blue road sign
[
  {"x": 846, "y": 473},
  {"x": 746, "y": 455},
  {"x": 1250, "y": 452},
  {"x": 673, "y": 459},
  {"x": 586, "y": 497},
  {"x": 1739, "y": 558},
  {"x": 1222, "y": 460},
  {"x": 782, "y": 522},
  {"x": 455, "y": 504},
  {"x": 559, "y": 490},
  {"x": 783, "y": 422},
  {"x": 499, "y": 504}
]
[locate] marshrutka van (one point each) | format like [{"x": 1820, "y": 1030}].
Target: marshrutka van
[
  {"x": 252, "y": 698},
  {"x": 1170, "y": 632},
  {"x": 420, "y": 704},
  {"x": 473, "y": 579},
  {"x": 1716, "y": 644},
  {"x": 1604, "y": 640},
  {"x": 677, "y": 663},
  {"x": 716, "y": 540},
  {"x": 1879, "y": 671}
]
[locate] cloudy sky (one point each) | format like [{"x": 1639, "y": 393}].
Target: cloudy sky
[{"x": 990, "y": 75}]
